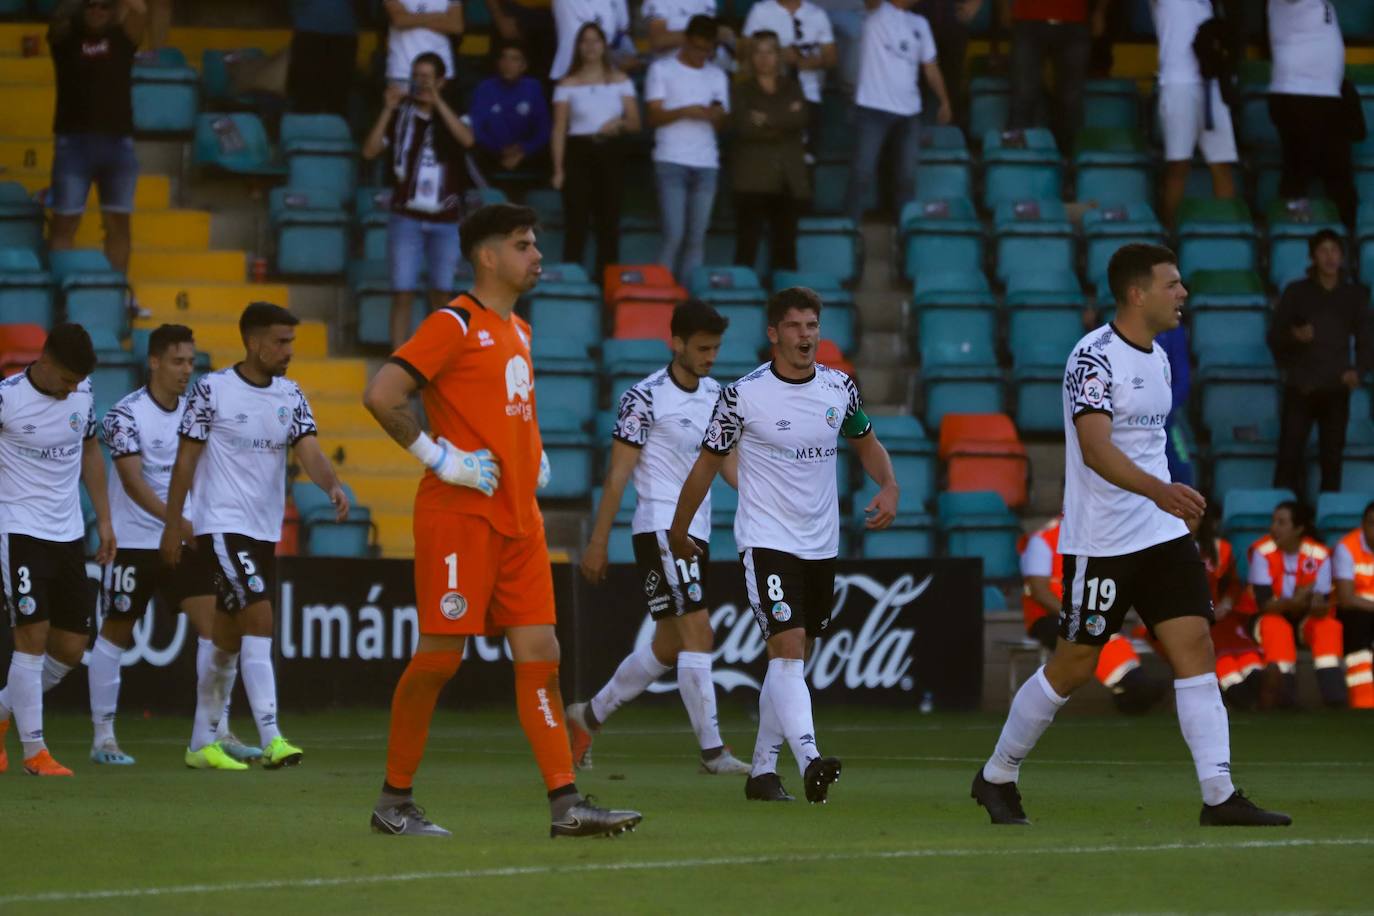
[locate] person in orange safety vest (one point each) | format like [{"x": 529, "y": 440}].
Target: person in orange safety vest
[
  {"x": 1352, "y": 572},
  {"x": 1239, "y": 660}
]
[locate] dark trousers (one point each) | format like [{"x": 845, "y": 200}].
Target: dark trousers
[
  {"x": 320, "y": 72},
  {"x": 779, "y": 212},
  {"x": 951, "y": 38},
  {"x": 1069, "y": 45},
  {"x": 592, "y": 173},
  {"x": 1315, "y": 144},
  {"x": 1329, "y": 408}
]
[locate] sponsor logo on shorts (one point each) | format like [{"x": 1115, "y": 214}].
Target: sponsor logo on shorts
[
  {"x": 651, "y": 583},
  {"x": 283, "y": 415},
  {"x": 694, "y": 591},
  {"x": 782, "y": 611},
  {"x": 122, "y": 603},
  {"x": 75, "y": 421},
  {"x": 1095, "y": 624},
  {"x": 453, "y": 605},
  {"x": 256, "y": 585},
  {"x": 27, "y": 605},
  {"x": 832, "y": 417}
]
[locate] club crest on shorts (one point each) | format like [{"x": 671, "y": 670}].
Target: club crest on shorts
[
  {"x": 453, "y": 605},
  {"x": 27, "y": 605},
  {"x": 122, "y": 603},
  {"x": 255, "y": 584},
  {"x": 782, "y": 611},
  {"x": 651, "y": 582},
  {"x": 694, "y": 591},
  {"x": 1095, "y": 624},
  {"x": 832, "y": 417},
  {"x": 283, "y": 415},
  {"x": 75, "y": 421}
]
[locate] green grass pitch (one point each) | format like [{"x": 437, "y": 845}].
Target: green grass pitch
[{"x": 1114, "y": 804}]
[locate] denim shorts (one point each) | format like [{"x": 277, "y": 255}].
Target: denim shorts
[
  {"x": 416, "y": 246},
  {"x": 105, "y": 159}
]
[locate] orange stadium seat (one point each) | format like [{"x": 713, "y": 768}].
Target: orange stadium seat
[
  {"x": 983, "y": 452},
  {"x": 643, "y": 320},
  {"x": 639, "y": 275},
  {"x": 985, "y": 427},
  {"x": 828, "y": 352},
  {"x": 20, "y": 344}
]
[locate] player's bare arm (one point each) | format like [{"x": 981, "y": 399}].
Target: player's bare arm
[
  {"x": 183, "y": 473},
  {"x": 1042, "y": 594},
  {"x": 1111, "y": 464},
  {"x": 624, "y": 458},
  {"x": 387, "y": 398},
  {"x": 130, "y": 471},
  {"x": 321, "y": 472},
  {"x": 881, "y": 511},
  {"x": 729, "y": 470},
  {"x": 1348, "y": 600},
  {"x": 93, "y": 476},
  {"x": 694, "y": 490}
]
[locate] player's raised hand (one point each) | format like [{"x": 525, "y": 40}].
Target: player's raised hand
[
  {"x": 882, "y": 509},
  {"x": 339, "y": 498},
  {"x": 594, "y": 562},
  {"x": 105, "y": 553},
  {"x": 682, "y": 545},
  {"x": 1181, "y": 501},
  {"x": 478, "y": 469}
]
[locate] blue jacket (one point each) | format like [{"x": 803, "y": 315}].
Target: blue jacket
[
  {"x": 503, "y": 113},
  {"x": 1175, "y": 344}
]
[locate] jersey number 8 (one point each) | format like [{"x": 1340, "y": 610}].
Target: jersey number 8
[{"x": 775, "y": 587}]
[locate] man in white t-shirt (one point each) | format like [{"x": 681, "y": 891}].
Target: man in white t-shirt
[
  {"x": 1192, "y": 114},
  {"x": 808, "y": 44},
  {"x": 1125, "y": 545},
  {"x": 1305, "y": 101},
  {"x": 665, "y": 24},
  {"x": 688, "y": 99},
  {"x": 897, "y": 48},
  {"x": 569, "y": 16},
  {"x": 420, "y": 27}
]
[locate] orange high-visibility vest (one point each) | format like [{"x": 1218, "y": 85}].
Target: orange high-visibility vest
[
  {"x": 1364, "y": 563},
  {"x": 1031, "y": 610},
  {"x": 1312, "y": 555},
  {"x": 1225, "y": 564}
]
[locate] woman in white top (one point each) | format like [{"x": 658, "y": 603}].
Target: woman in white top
[
  {"x": 1305, "y": 101},
  {"x": 594, "y": 107}
]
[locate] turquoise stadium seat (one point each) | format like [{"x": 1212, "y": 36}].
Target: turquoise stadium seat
[
  {"x": 940, "y": 235},
  {"x": 235, "y": 143},
  {"x": 372, "y": 209},
  {"x": 1340, "y": 512},
  {"x": 621, "y": 548},
  {"x": 1254, "y": 127},
  {"x": 1113, "y": 164},
  {"x": 724, "y": 501},
  {"x": 994, "y": 599},
  {"x": 26, "y": 295},
  {"x": 821, "y": 282},
  {"x": 1225, "y": 329},
  {"x": 1251, "y": 508},
  {"x": 749, "y": 323},
  {"x": 1042, "y": 288},
  {"x": 1021, "y": 164},
  {"x": 21, "y": 217},
  {"x": 830, "y": 186},
  {"x": 718, "y": 284},
  {"x": 1232, "y": 397},
  {"x": 1039, "y": 399},
  {"x": 1356, "y": 18},
  {"x": 962, "y": 389},
  {"x": 723, "y": 543},
  {"x": 216, "y": 86},
  {"x": 574, "y": 320},
  {"x": 311, "y": 231},
  {"x": 957, "y": 337},
  {"x": 943, "y": 180},
  {"x": 166, "y": 95},
  {"x": 1230, "y": 353},
  {"x": 1033, "y": 236},
  {"x": 1216, "y": 235},
  {"x": 571, "y": 459},
  {"x": 1291, "y": 225},
  {"x": 989, "y": 102},
  {"x": 830, "y": 245},
  {"x": 1043, "y": 337},
  {"x": 93, "y": 294},
  {"x": 978, "y": 524},
  {"x": 906, "y": 538},
  {"x": 953, "y": 288},
  {"x": 1111, "y": 103},
  {"x": 114, "y": 376},
  {"x": 349, "y": 538},
  {"x": 369, "y": 284},
  {"x": 320, "y": 152}
]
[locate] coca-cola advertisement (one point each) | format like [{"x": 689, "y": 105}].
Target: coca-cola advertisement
[{"x": 902, "y": 631}]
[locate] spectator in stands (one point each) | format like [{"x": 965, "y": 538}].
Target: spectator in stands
[
  {"x": 1315, "y": 130},
  {"x": 1239, "y": 659},
  {"x": 1063, "y": 29},
  {"x": 159, "y": 23},
  {"x": 689, "y": 99},
  {"x": 808, "y": 47},
  {"x": 420, "y": 27},
  {"x": 510, "y": 117},
  {"x": 847, "y": 24},
  {"x": 1317, "y": 321},
  {"x": 613, "y": 16},
  {"x": 427, "y": 141},
  {"x": 594, "y": 108},
  {"x": 769, "y": 117},
  {"x": 1175, "y": 346},
  {"x": 324, "y": 46},
  {"x": 897, "y": 48},
  {"x": 1192, "y": 113},
  {"x": 529, "y": 22},
  {"x": 93, "y": 46},
  {"x": 665, "y": 23},
  {"x": 949, "y": 24}
]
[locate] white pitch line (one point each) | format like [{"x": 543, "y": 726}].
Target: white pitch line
[{"x": 662, "y": 865}]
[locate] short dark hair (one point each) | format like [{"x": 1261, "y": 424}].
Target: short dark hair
[
  {"x": 1368, "y": 511},
  {"x": 702, "y": 26},
  {"x": 434, "y": 60},
  {"x": 169, "y": 335},
  {"x": 1324, "y": 235},
  {"x": 794, "y": 297},
  {"x": 1302, "y": 515},
  {"x": 510, "y": 44},
  {"x": 696, "y": 317},
  {"x": 493, "y": 221},
  {"x": 261, "y": 315},
  {"x": 1134, "y": 265},
  {"x": 70, "y": 347}
]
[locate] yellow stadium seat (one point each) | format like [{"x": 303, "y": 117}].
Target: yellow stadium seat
[
  {"x": 28, "y": 109},
  {"x": 192, "y": 301},
  {"x": 152, "y": 264},
  {"x": 155, "y": 229}
]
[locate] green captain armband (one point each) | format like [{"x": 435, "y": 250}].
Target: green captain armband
[{"x": 857, "y": 426}]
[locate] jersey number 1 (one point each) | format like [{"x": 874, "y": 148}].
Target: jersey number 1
[{"x": 451, "y": 561}]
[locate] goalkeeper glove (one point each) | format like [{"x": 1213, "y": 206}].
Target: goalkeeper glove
[{"x": 452, "y": 465}]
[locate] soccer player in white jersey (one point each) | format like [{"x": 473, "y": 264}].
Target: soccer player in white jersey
[
  {"x": 238, "y": 424},
  {"x": 657, "y": 436},
  {"x": 141, "y": 434},
  {"x": 1126, "y": 544},
  {"x": 785, "y": 418},
  {"x": 47, "y": 443}
]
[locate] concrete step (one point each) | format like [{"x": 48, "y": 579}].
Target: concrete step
[
  {"x": 28, "y": 107},
  {"x": 355, "y": 451},
  {"x": 221, "y": 339},
  {"x": 329, "y": 378},
  {"x": 391, "y": 491},
  {"x": 341, "y": 414},
  {"x": 189, "y": 302},
  {"x": 27, "y": 152},
  {"x": 35, "y": 71},
  {"x": 169, "y": 265},
  {"x": 153, "y": 192},
  {"x": 186, "y": 229}
]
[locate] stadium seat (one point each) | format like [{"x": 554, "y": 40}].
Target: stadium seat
[
  {"x": 830, "y": 186},
  {"x": 830, "y": 245},
  {"x": 956, "y": 337},
  {"x": 719, "y": 285},
  {"x": 907, "y": 538},
  {"x": 25, "y": 289},
  {"x": 724, "y": 501},
  {"x": 961, "y": 389},
  {"x": 237, "y": 144},
  {"x": 1224, "y": 330},
  {"x": 1242, "y": 457},
  {"x": 372, "y": 209},
  {"x": 216, "y": 85},
  {"x": 353, "y": 537},
  {"x": 1251, "y": 508},
  {"x": 21, "y": 218},
  {"x": 821, "y": 282},
  {"x": 1043, "y": 337},
  {"x": 723, "y": 542},
  {"x": 983, "y": 452},
  {"x": 166, "y": 93},
  {"x": 566, "y": 389},
  {"x": 1021, "y": 164},
  {"x": 115, "y": 375},
  {"x": 628, "y": 361},
  {"x": 943, "y": 180},
  {"x": 1032, "y": 236},
  {"x": 940, "y": 235},
  {"x": 1226, "y": 289},
  {"x": 618, "y": 276},
  {"x": 829, "y": 354},
  {"x": 92, "y": 294},
  {"x": 310, "y": 227},
  {"x": 1044, "y": 288},
  {"x": 1111, "y": 104},
  {"x": 913, "y": 456},
  {"x": 562, "y": 273},
  {"x": 643, "y": 319},
  {"x": 1233, "y": 353},
  {"x": 571, "y": 458},
  {"x": 1112, "y": 164},
  {"x": 1356, "y": 18},
  {"x": 369, "y": 283},
  {"x": 964, "y": 427},
  {"x": 1216, "y": 235},
  {"x": 320, "y": 152},
  {"x": 989, "y": 102},
  {"x": 1291, "y": 224},
  {"x": 1232, "y": 397},
  {"x": 994, "y": 599},
  {"x": 1340, "y": 512},
  {"x": 1254, "y": 128},
  {"x": 953, "y": 288},
  {"x": 978, "y": 524},
  {"x": 749, "y": 325},
  {"x": 575, "y": 320},
  {"x": 1039, "y": 399}
]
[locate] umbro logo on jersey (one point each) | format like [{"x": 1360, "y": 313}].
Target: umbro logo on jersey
[
  {"x": 684, "y": 422},
  {"x": 484, "y": 339},
  {"x": 241, "y": 418},
  {"x": 784, "y": 424},
  {"x": 1137, "y": 383},
  {"x": 29, "y": 429}
]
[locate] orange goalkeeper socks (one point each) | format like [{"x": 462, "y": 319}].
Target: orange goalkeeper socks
[
  {"x": 412, "y": 708},
  {"x": 539, "y": 702}
]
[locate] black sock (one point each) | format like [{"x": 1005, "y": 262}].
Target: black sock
[
  {"x": 563, "y": 798},
  {"x": 712, "y": 753}
]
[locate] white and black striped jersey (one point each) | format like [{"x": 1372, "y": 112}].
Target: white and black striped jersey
[
  {"x": 41, "y": 441},
  {"x": 1108, "y": 374},
  {"x": 139, "y": 425},
  {"x": 240, "y": 482},
  {"x": 788, "y": 434},
  {"x": 667, "y": 422}
]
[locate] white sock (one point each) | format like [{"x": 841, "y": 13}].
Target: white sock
[
  {"x": 104, "y": 676},
  {"x": 768, "y": 744},
  {"x": 53, "y": 672},
  {"x": 1202, "y": 719},
  {"x": 1031, "y": 713},
  {"x": 786, "y": 681},
  {"x": 260, "y": 682},
  {"x": 639, "y": 669},
  {"x": 205, "y": 649},
  {"x": 25, "y": 699},
  {"x": 699, "y": 696},
  {"x": 213, "y": 681}
]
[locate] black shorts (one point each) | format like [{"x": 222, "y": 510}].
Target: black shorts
[
  {"x": 672, "y": 587},
  {"x": 787, "y": 592},
  {"x": 137, "y": 574},
  {"x": 1161, "y": 582},
  {"x": 245, "y": 569},
  {"x": 46, "y": 580}
]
